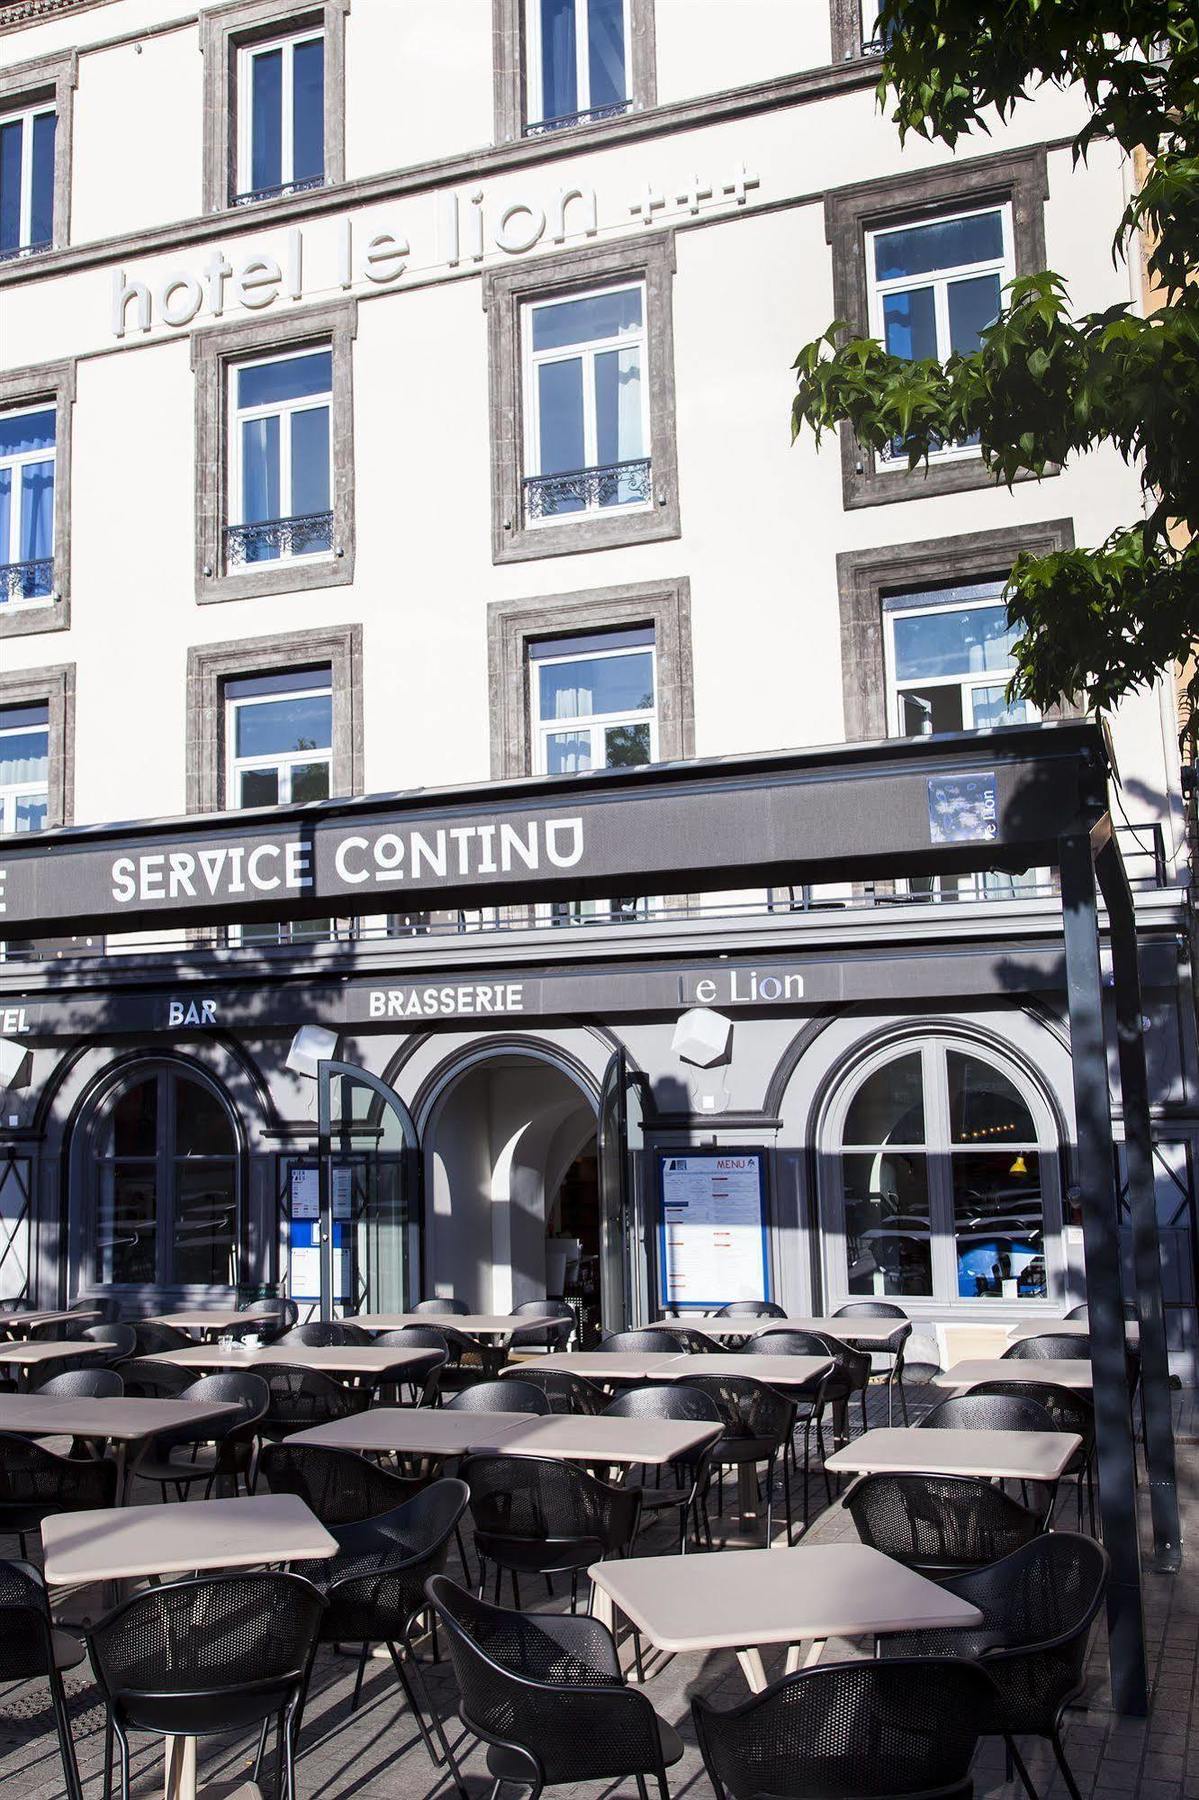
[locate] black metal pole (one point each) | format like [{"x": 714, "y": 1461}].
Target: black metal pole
[
  {"x": 324, "y": 1154},
  {"x": 1147, "y": 1263},
  {"x": 1101, "y": 1239}
]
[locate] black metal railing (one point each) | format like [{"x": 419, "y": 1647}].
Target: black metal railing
[
  {"x": 590, "y": 115},
  {"x": 17, "y": 250},
  {"x": 278, "y": 191},
  {"x": 27, "y": 580},
  {"x": 307, "y": 534},
  {"x": 583, "y": 490},
  {"x": 1143, "y": 848}
]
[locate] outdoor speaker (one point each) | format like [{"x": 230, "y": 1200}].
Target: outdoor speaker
[
  {"x": 311, "y": 1046},
  {"x": 702, "y": 1037},
  {"x": 12, "y": 1061}
]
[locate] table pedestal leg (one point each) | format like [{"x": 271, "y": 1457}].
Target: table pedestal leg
[
  {"x": 602, "y": 1608},
  {"x": 751, "y": 1668},
  {"x": 794, "y": 1659},
  {"x": 179, "y": 1770}
]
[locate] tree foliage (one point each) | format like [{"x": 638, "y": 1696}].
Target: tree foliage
[{"x": 1048, "y": 384}]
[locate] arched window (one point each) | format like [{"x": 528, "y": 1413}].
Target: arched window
[
  {"x": 940, "y": 1178},
  {"x": 164, "y": 1161}
]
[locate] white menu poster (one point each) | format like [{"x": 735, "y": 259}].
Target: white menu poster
[{"x": 712, "y": 1242}]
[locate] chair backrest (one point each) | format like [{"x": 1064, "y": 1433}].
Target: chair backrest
[
  {"x": 32, "y": 1477},
  {"x": 414, "y": 1337},
  {"x": 698, "y": 1342},
  {"x": 303, "y": 1397},
  {"x": 870, "y": 1309},
  {"x": 440, "y": 1306},
  {"x": 122, "y": 1339},
  {"x": 285, "y": 1311},
  {"x": 144, "y": 1378},
  {"x": 218, "y": 1652},
  {"x": 665, "y": 1400},
  {"x": 749, "y": 1409},
  {"x": 538, "y": 1499},
  {"x": 354, "y": 1334},
  {"x": 751, "y": 1309},
  {"x": 340, "y": 1486},
  {"x": 904, "y": 1725},
  {"x": 103, "y": 1306},
  {"x": 565, "y": 1392},
  {"x": 512, "y": 1395},
  {"x": 1080, "y": 1312},
  {"x": 1069, "y": 1408},
  {"x": 318, "y": 1334},
  {"x": 153, "y": 1339},
  {"x": 542, "y": 1309},
  {"x": 86, "y": 1384},
  {"x": 242, "y": 1388},
  {"x": 1050, "y": 1588},
  {"x": 416, "y": 1528},
  {"x": 650, "y": 1340},
  {"x": 26, "y": 1644},
  {"x": 938, "y": 1522},
  {"x": 789, "y": 1343},
  {"x": 1049, "y": 1346},
  {"x": 988, "y": 1412},
  {"x": 553, "y": 1337}
]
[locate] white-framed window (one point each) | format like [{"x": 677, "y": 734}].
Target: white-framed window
[
  {"x": 941, "y": 1171},
  {"x": 587, "y": 446},
  {"x": 933, "y": 286},
  {"x": 27, "y": 460},
  {"x": 27, "y": 180},
  {"x": 24, "y": 767},
  {"x": 594, "y": 706},
  {"x": 578, "y": 62},
  {"x": 279, "y": 752},
  {"x": 872, "y": 39},
  {"x": 280, "y": 458},
  {"x": 280, "y": 116}
]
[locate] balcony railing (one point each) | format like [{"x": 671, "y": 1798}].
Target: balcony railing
[
  {"x": 18, "y": 250},
  {"x": 27, "y": 580},
  {"x": 308, "y": 534},
  {"x": 590, "y": 115},
  {"x": 585, "y": 490},
  {"x": 278, "y": 191}
]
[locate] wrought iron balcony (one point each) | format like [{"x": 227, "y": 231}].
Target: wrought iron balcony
[
  {"x": 27, "y": 580},
  {"x": 278, "y": 191},
  {"x": 584, "y": 490},
  {"x": 590, "y": 115},
  {"x": 308, "y": 534},
  {"x": 18, "y": 250}
]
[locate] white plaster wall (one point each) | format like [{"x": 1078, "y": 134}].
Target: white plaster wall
[
  {"x": 418, "y": 82},
  {"x": 722, "y": 43},
  {"x": 137, "y": 159}
]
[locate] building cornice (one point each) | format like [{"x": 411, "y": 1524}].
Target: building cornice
[
  {"x": 494, "y": 160},
  {"x": 15, "y": 15}
]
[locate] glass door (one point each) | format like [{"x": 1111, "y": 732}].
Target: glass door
[{"x": 620, "y": 1138}]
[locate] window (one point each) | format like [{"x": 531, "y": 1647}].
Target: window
[
  {"x": 945, "y": 1181},
  {"x": 24, "y": 767},
  {"x": 166, "y": 1179},
  {"x": 578, "y": 62},
  {"x": 27, "y": 180},
  {"x": 280, "y": 462},
  {"x": 27, "y": 461},
  {"x": 281, "y": 117}
]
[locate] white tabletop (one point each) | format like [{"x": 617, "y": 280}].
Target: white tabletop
[
  {"x": 1026, "y": 1328},
  {"x": 331, "y": 1359},
  {"x": 609, "y": 1365},
  {"x": 121, "y": 1420},
  {"x": 1067, "y": 1372},
  {"x": 212, "y": 1318},
  {"x": 752, "y": 1597},
  {"x": 26, "y": 1321},
  {"x": 470, "y": 1324},
  {"x": 993, "y": 1455},
  {"x": 132, "y": 1542},
  {"x": 869, "y": 1332},
  {"x": 28, "y": 1354},
  {"x": 410, "y": 1430},
  {"x": 775, "y": 1371},
  {"x": 575, "y": 1437}
]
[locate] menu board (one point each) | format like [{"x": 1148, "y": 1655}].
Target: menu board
[{"x": 712, "y": 1237}]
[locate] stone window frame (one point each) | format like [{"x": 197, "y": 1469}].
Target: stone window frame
[
  {"x": 506, "y": 292},
  {"x": 213, "y": 353},
  {"x": 510, "y": 83},
  {"x": 224, "y": 30},
  {"x": 55, "y": 75},
  {"x": 52, "y": 686},
  {"x": 846, "y": 30},
  {"x": 864, "y": 576},
  {"x": 210, "y": 666},
  {"x": 19, "y": 387},
  {"x": 513, "y": 625},
  {"x": 1019, "y": 178}
]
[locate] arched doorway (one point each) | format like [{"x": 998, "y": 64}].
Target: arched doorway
[{"x": 511, "y": 1182}]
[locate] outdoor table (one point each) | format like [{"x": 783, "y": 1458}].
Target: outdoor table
[
  {"x": 574, "y": 1437},
  {"x": 134, "y": 1542},
  {"x": 866, "y": 1332},
  {"x": 743, "y": 1599},
  {"x": 21, "y": 1323},
  {"x": 1026, "y": 1328},
  {"x": 1067, "y": 1372},
  {"x": 120, "y": 1422},
  {"x": 436, "y": 1431},
  {"x": 991, "y": 1455},
  {"x": 774, "y": 1371},
  {"x": 615, "y": 1365},
  {"x": 210, "y": 1321},
  {"x": 27, "y": 1356},
  {"x": 347, "y": 1361},
  {"x": 494, "y": 1331}
]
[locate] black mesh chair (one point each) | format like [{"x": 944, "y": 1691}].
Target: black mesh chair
[
  {"x": 811, "y": 1401},
  {"x": 304, "y": 1397},
  {"x": 153, "y": 1339},
  {"x": 905, "y": 1729},
  {"x": 85, "y": 1384},
  {"x": 1080, "y": 1312},
  {"x": 35, "y": 1482},
  {"x": 757, "y": 1422},
  {"x": 422, "y": 1379},
  {"x": 894, "y": 1347},
  {"x": 150, "y": 1380},
  {"x": 547, "y": 1696},
  {"x": 510, "y": 1395},
  {"x": 355, "y": 1334},
  {"x": 1070, "y": 1410},
  {"x": 1038, "y": 1609},
  {"x": 219, "y": 1654},
  {"x": 669, "y": 1400},
  {"x": 565, "y": 1392},
  {"x": 697, "y": 1342},
  {"x": 119, "y": 1340},
  {"x": 750, "y": 1309},
  {"x": 233, "y": 1438},
  {"x": 552, "y": 1337},
  {"x": 101, "y": 1306},
  {"x": 850, "y": 1373},
  {"x": 30, "y": 1647},
  {"x": 536, "y": 1516},
  {"x": 441, "y": 1306},
  {"x": 977, "y": 1411},
  {"x": 341, "y": 1487},
  {"x": 266, "y": 1320},
  {"x": 650, "y": 1340},
  {"x": 1049, "y": 1346},
  {"x": 939, "y": 1524},
  {"x": 317, "y": 1334},
  {"x": 375, "y": 1587}
]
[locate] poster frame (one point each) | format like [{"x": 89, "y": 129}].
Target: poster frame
[{"x": 662, "y": 1154}]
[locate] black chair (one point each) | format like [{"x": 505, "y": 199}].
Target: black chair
[
  {"x": 547, "y": 1696},
  {"x": 976, "y": 1411},
  {"x": 354, "y": 1334},
  {"x": 650, "y": 1340},
  {"x": 1056, "y": 1346},
  {"x": 101, "y": 1306},
  {"x": 697, "y": 1342},
  {"x": 565, "y": 1392},
  {"x": 153, "y": 1339},
  {"x": 750, "y": 1309},
  {"x": 850, "y": 1373},
  {"x": 422, "y": 1379},
  {"x": 375, "y": 1587},
  {"x": 812, "y": 1400},
  {"x": 441, "y": 1306},
  {"x": 85, "y": 1384},
  {"x": 1080, "y": 1312},
  {"x": 30, "y": 1647},
  {"x": 266, "y": 1320},
  {"x": 317, "y": 1334},
  {"x": 285, "y": 1310},
  {"x": 217, "y": 1654},
  {"x": 1070, "y": 1410},
  {"x": 234, "y": 1437},
  {"x": 1038, "y": 1608},
  {"x": 146, "y": 1379},
  {"x": 35, "y": 1482},
  {"x": 939, "y": 1524},
  {"x": 535, "y": 1516},
  {"x": 670, "y": 1400},
  {"x": 757, "y": 1423},
  {"x": 341, "y": 1487},
  {"x": 304, "y": 1397},
  {"x": 905, "y": 1729},
  {"x": 894, "y": 1347},
  {"x": 553, "y": 1337},
  {"x": 510, "y": 1395},
  {"x": 121, "y": 1340}
]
